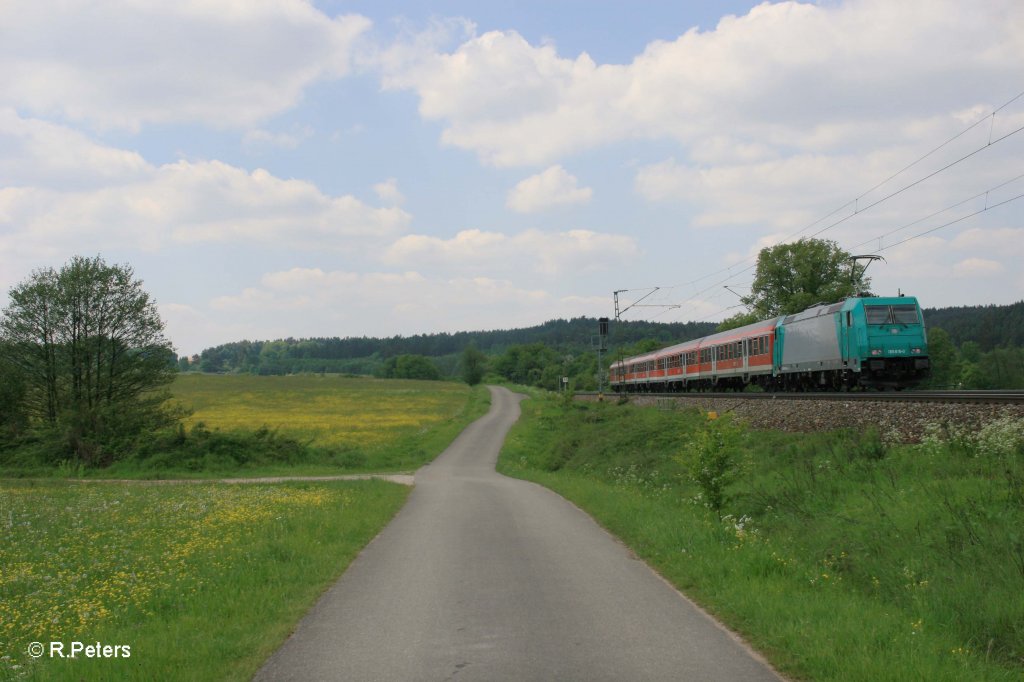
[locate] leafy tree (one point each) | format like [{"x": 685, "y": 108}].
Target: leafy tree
[
  {"x": 410, "y": 367},
  {"x": 88, "y": 345},
  {"x": 945, "y": 360},
  {"x": 793, "y": 277},
  {"x": 13, "y": 418},
  {"x": 473, "y": 365},
  {"x": 738, "y": 320}
]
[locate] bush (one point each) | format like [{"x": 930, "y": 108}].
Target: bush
[{"x": 714, "y": 460}]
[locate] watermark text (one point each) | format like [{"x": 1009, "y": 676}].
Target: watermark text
[{"x": 79, "y": 650}]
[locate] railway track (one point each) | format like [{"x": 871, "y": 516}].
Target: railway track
[{"x": 976, "y": 397}]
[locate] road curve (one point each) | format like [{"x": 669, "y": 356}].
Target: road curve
[{"x": 483, "y": 577}]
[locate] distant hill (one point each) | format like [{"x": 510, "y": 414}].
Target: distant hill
[
  {"x": 990, "y": 326},
  {"x": 364, "y": 355}
]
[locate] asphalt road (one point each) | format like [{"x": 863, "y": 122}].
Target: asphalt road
[{"x": 482, "y": 577}]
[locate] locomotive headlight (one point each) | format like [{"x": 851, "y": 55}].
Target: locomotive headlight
[
  {"x": 876, "y": 351},
  {"x": 915, "y": 350}
]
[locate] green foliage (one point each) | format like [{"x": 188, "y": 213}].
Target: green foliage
[
  {"x": 738, "y": 320},
  {"x": 946, "y": 368},
  {"x": 713, "y": 460},
  {"x": 473, "y": 365},
  {"x": 13, "y": 416},
  {"x": 970, "y": 367},
  {"x": 87, "y": 345},
  {"x": 410, "y": 367},
  {"x": 822, "y": 533},
  {"x": 988, "y": 327},
  {"x": 795, "y": 276}
]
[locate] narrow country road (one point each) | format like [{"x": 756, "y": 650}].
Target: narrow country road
[{"x": 483, "y": 577}]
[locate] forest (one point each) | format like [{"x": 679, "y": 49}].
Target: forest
[{"x": 972, "y": 347}]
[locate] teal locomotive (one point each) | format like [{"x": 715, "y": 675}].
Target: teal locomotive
[{"x": 868, "y": 342}]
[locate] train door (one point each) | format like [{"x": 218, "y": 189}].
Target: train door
[{"x": 846, "y": 340}]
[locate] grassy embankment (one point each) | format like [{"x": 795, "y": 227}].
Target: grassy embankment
[
  {"x": 204, "y": 580},
  {"x": 839, "y": 557}
]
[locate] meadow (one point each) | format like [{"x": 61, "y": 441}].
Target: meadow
[
  {"x": 302, "y": 424},
  {"x": 839, "y": 556},
  {"x": 324, "y": 409},
  {"x": 202, "y": 580}
]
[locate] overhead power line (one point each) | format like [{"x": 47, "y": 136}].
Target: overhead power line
[{"x": 858, "y": 210}]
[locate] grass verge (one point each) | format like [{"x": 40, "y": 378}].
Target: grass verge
[
  {"x": 201, "y": 581},
  {"x": 837, "y": 556}
]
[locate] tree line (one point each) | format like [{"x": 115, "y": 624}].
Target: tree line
[{"x": 560, "y": 347}]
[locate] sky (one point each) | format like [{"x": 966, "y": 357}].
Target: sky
[{"x": 286, "y": 168}]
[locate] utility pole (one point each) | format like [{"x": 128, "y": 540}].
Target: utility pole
[{"x": 602, "y": 336}]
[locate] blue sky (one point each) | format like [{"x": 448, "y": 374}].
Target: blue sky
[{"x": 375, "y": 168}]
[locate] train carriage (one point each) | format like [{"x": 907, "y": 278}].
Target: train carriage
[{"x": 872, "y": 342}]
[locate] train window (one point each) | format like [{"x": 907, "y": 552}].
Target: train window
[
  {"x": 904, "y": 314},
  {"x": 877, "y": 314}
]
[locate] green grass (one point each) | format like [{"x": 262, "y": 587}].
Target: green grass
[
  {"x": 837, "y": 556},
  {"x": 202, "y": 581},
  {"x": 245, "y": 425},
  {"x": 326, "y": 409}
]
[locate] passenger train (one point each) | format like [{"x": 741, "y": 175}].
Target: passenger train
[{"x": 870, "y": 342}]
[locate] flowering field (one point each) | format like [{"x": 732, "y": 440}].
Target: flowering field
[
  {"x": 201, "y": 581},
  {"x": 330, "y": 409}
]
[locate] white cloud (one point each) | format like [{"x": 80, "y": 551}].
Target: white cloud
[
  {"x": 1007, "y": 241},
  {"x": 782, "y": 192},
  {"x": 126, "y": 64},
  {"x": 864, "y": 70},
  {"x": 978, "y": 267},
  {"x": 561, "y": 253},
  {"x": 387, "y": 192},
  {"x": 88, "y": 196},
  {"x": 385, "y": 303},
  {"x": 552, "y": 187},
  {"x": 256, "y": 140},
  {"x": 34, "y": 152}
]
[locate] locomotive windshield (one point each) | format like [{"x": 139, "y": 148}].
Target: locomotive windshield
[
  {"x": 877, "y": 314},
  {"x": 891, "y": 314},
  {"x": 904, "y": 314}
]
